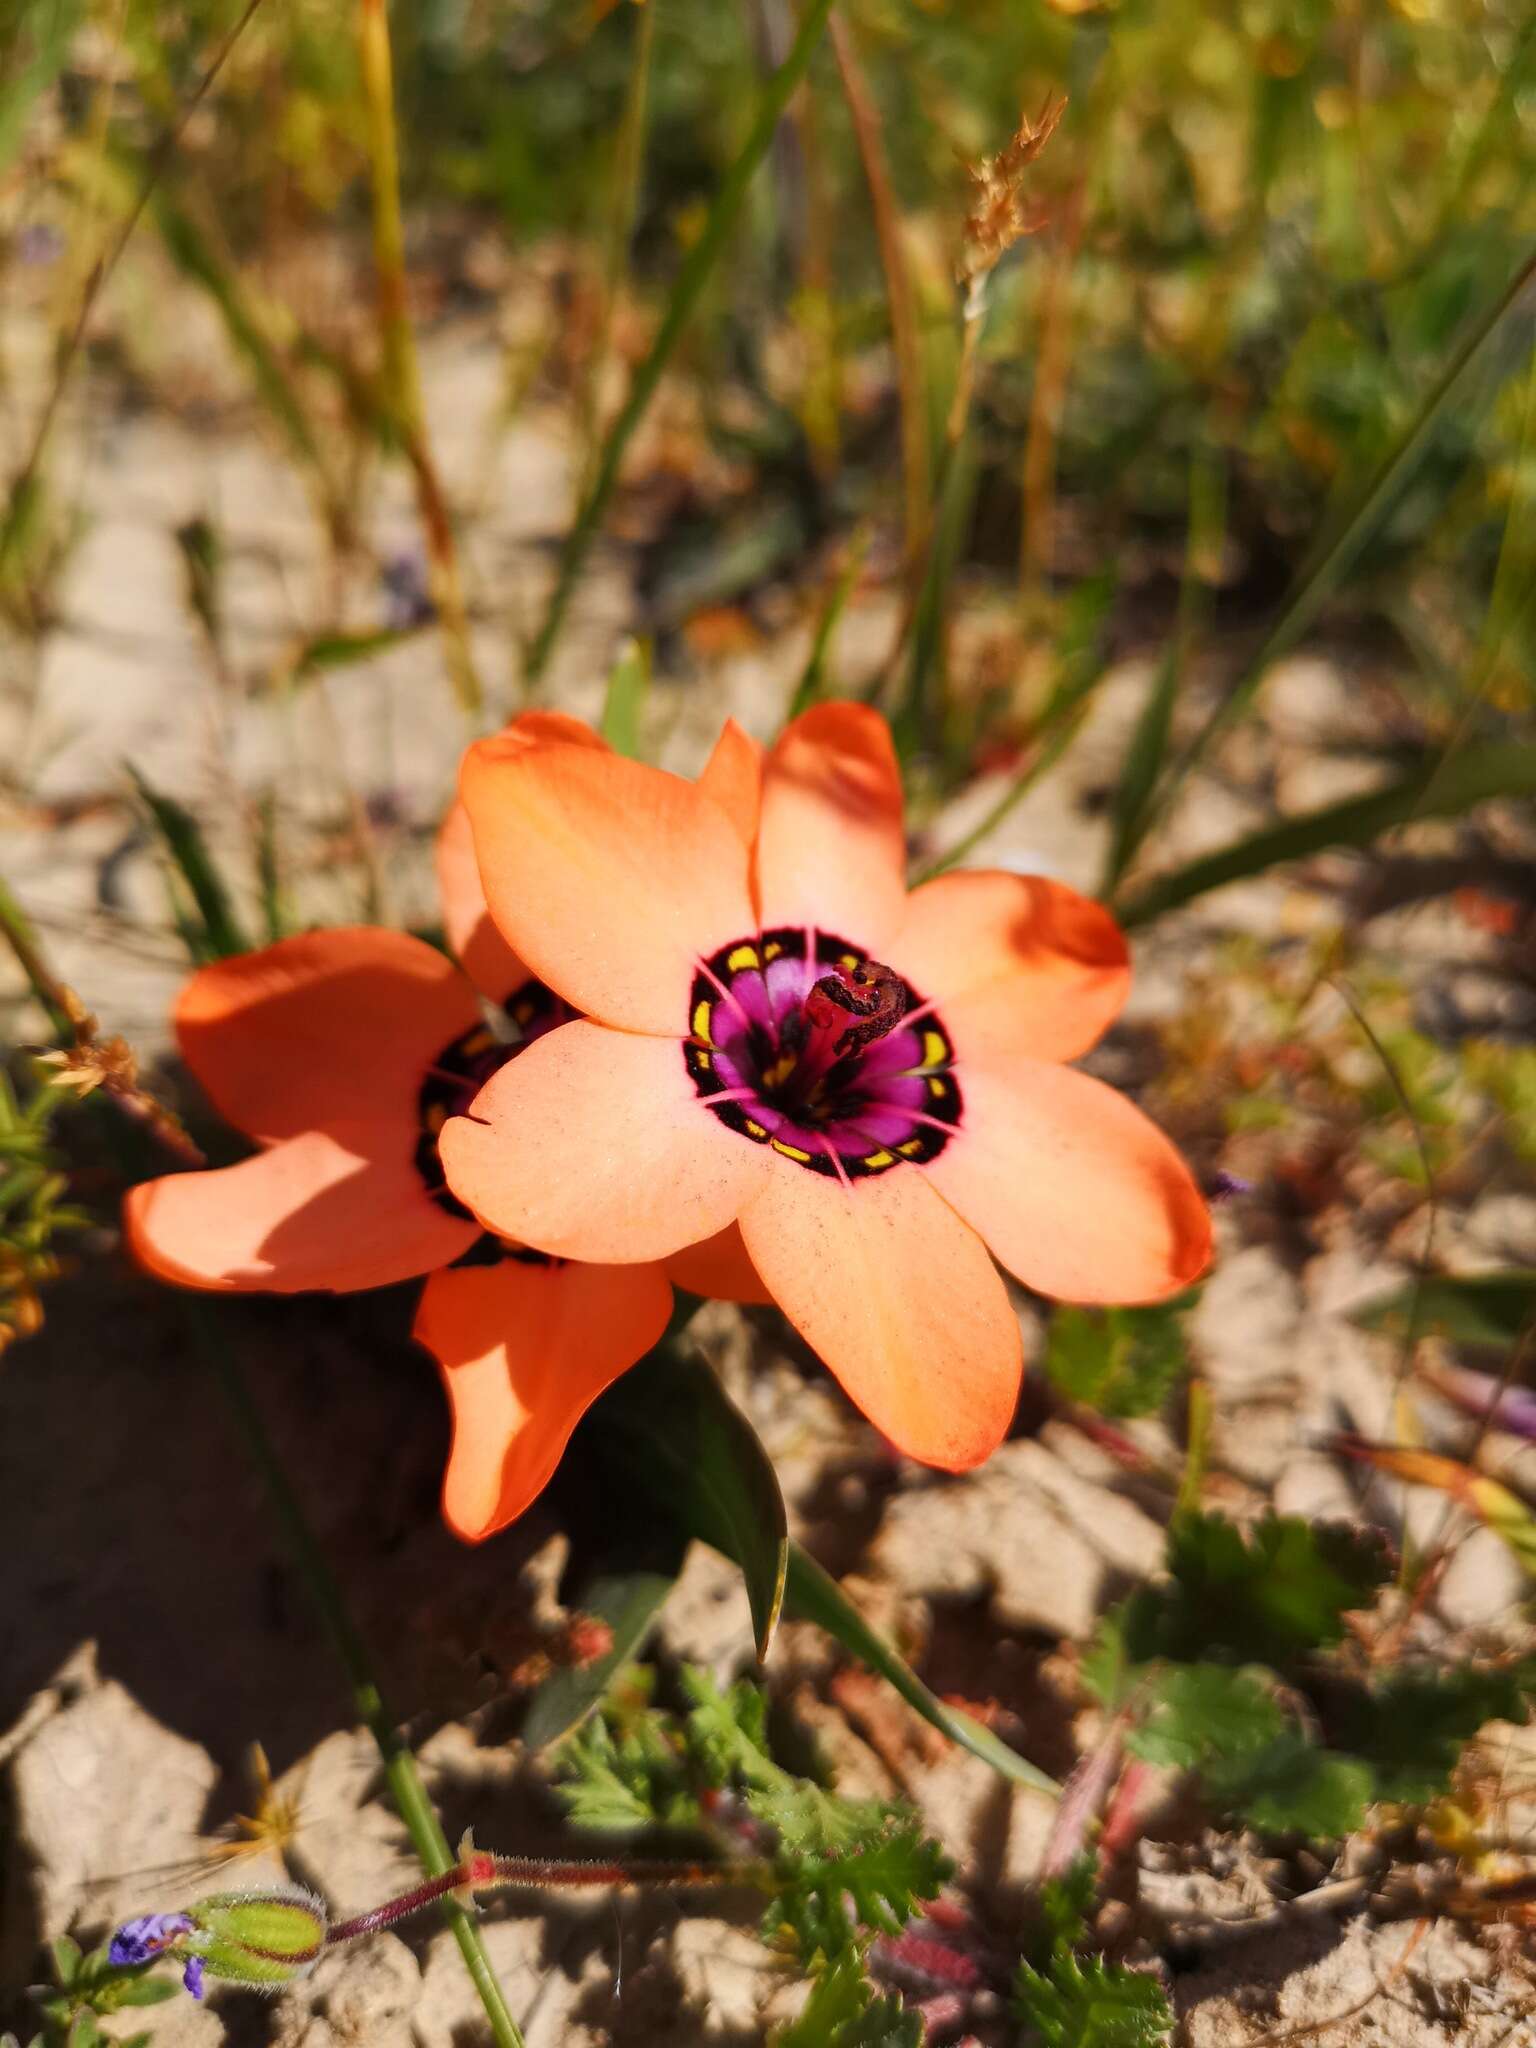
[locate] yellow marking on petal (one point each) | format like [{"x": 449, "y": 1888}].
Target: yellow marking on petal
[
  {"x": 702, "y": 1012},
  {"x": 878, "y": 1159},
  {"x": 935, "y": 1050},
  {"x": 772, "y": 950},
  {"x": 755, "y": 1130},
  {"x": 776, "y": 1075},
  {"x": 911, "y": 1148},
  {"x": 740, "y": 957},
  {"x": 790, "y": 1151},
  {"x": 703, "y": 1060},
  {"x": 477, "y": 1041},
  {"x": 849, "y": 960},
  {"x": 937, "y": 1087}
]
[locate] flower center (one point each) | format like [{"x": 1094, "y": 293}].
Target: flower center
[
  {"x": 462, "y": 1068},
  {"x": 800, "y": 1041}
]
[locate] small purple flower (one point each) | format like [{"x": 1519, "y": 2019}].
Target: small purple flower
[
  {"x": 141, "y": 1940},
  {"x": 192, "y": 1976},
  {"x": 408, "y": 602},
  {"x": 1226, "y": 1187}
]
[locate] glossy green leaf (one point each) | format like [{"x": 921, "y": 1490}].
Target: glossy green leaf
[
  {"x": 812, "y": 1595},
  {"x": 629, "y": 684},
  {"x": 1442, "y": 788},
  {"x": 1486, "y": 1311},
  {"x": 629, "y": 1601},
  {"x": 669, "y": 1428}
]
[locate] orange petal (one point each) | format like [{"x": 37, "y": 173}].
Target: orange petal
[
  {"x": 524, "y": 1351},
  {"x": 733, "y": 776},
  {"x": 901, "y": 1300},
  {"x": 830, "y": 850},
  {"x": 610, "y": 878},
  {"x": 479, "y": 948},
  {"x": 1074, "y": 1190},
  {"x": 1014, "y": 964},
  {"x": 330, "y": 1027},
  {"x": 340, "y": 1210},
  {"x": 718, "y": 1269},
  {"x": 592, "y": 1144}
]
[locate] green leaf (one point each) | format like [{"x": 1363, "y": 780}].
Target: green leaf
[
  {"x": 843, "y": 2012},
  {"x": 669, "y": 1428},
  {"x": 1118, "y": 1361},
  {"x": 881, "y": 1874},
  {"x": 1413, "y": 1724},
  {"x": 630, "y": 1600},
  {"x": 1292, "y": 1787},
  {"x": 813, "y": 1596},
  {"x": 629, "y": 685},
  {"x": 145, "y": 1990},
  {"x": 214, "y": 933},
  {"x": 1443, "y": 787},
  {"x": 1090, "y": 2003},
  {"x": 327, "y": 651},
  {"x": 1262, "y": 1595},
  {"x": 1199, "y": 1710},
  {"x": 625, "y": 1769},
  {"x": 66, "y": 1961},
  {"x": 1488, "y": 1311}
]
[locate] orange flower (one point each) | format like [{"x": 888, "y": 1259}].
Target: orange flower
[
  {"x": 776, "y": 1032},
  {"x": 342, "y": 1053}
]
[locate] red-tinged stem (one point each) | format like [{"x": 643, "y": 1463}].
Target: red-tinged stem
[{"x": 479, "y": 1872}]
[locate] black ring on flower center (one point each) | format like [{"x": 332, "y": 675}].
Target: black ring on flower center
[
  {"x": 859, "y": 1112},
  {"x": 452, "y": 1081}
]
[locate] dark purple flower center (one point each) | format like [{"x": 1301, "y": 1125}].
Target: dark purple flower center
[
  {"x": 455, "y": 1078},
  {"x": 799, "y": 1041}
]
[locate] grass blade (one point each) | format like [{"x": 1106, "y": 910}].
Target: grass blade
[
  {"x": 624, "y": 706},
  {"x": 813, "y": 1596},
  {"x": 215, "y": 933},
  {"x": 1443, "y": 787},
  {"x": 812, "y": 684},
  {"x": 686, "y": 293}
]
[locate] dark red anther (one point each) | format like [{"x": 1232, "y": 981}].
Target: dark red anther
[{"x": 876, "y": 995}]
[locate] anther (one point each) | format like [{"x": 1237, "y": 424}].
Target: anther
[{"x": 876, "y": 995}]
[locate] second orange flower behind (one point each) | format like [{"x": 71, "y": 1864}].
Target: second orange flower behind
[
  {"x": 775, "y": 1034},
  {"x": 343, "y": 1053}
]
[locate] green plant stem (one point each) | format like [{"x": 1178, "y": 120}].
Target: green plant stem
[
  {"x": 400, "y": 1769},
  {"x": 400, "y": 371},
  {"x": 696, "y": 271},
  {"x": 1336, "y": 553}
]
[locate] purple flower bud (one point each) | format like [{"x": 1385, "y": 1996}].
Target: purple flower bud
[
  {"x": 192, "y": 1975},
  {"x": 141, "y": 1940}
]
